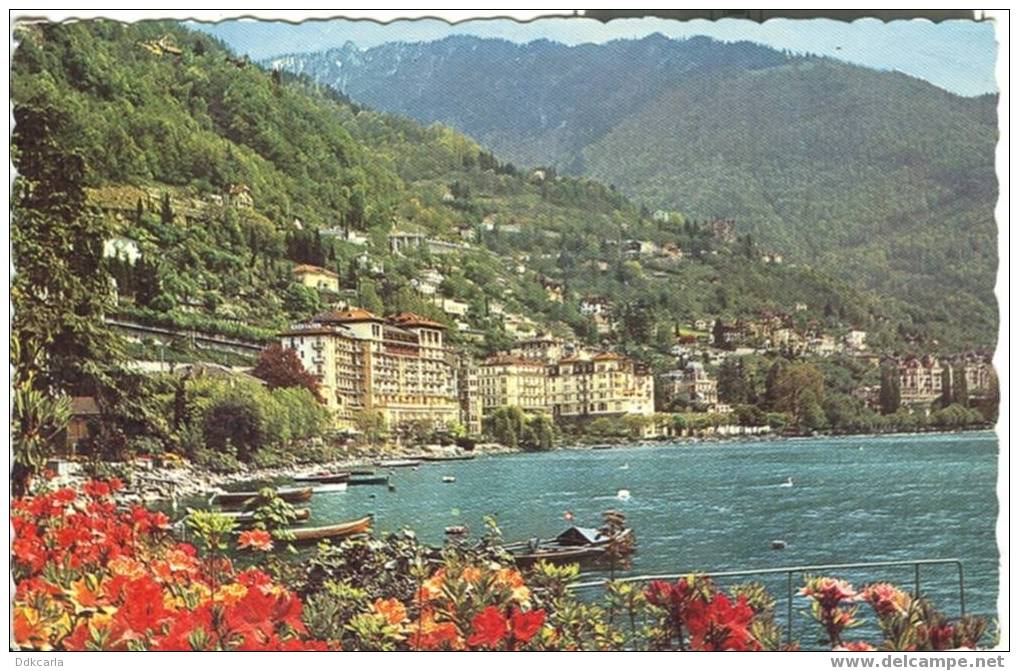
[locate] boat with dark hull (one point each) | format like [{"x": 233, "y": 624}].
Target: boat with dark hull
[
  {"x": 323, "y": 478},
  {"x": 243, "y": 499},
  {"x": 576, "y": 544},
  {"x": 447, "y": 457},
  {"x": 370, "y": 479}
]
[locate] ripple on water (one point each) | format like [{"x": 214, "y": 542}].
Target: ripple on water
[{"x": 719, "y": 506}]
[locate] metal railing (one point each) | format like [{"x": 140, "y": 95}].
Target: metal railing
[{"x": 791, "y": 571}]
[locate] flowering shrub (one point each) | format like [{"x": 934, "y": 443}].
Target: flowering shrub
[
  {"x": 698, "y": 617},
  {"x": 907, "y": 623},
  {"x": 463, "y": 605},
  {"x": 93, "y": 577}
]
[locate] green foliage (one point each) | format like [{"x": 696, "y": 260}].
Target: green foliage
[
  {"x": 211, "y": 528},
  {"x": 514, "y": 428}
]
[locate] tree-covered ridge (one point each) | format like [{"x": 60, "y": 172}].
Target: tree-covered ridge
[
  {"x": 881, "y": 178},
  {"x": 226, "y": 176}
]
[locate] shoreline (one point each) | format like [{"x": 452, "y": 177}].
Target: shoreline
[{"x": 167, "y": 483}]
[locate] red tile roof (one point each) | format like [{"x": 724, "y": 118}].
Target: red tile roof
[
  {"x": 411, "y": 319},
  {"x": 307, "y": 269},
  {"x": 348, "y": 316}
]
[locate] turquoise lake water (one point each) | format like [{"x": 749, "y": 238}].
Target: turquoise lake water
[{"x": 718, "y": 507}]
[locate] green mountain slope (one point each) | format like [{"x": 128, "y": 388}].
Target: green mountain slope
[
  {"x": 882, "y": 178},
  {"x": 170, "y": 124}
]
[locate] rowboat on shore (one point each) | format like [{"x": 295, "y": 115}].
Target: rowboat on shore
[
  {"x": 370, "y": 479},
  {"x": 323, "y": 477},
  {"x": 246, "y": 518},
  {"x": 397, "y": 463},
  {"x": 447, "y": 457},
  {"x": 241, "y": 499},
  {"x": 309, "y": 535}
]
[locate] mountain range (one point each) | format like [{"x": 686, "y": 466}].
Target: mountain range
[{"x": 880, "y": 177}]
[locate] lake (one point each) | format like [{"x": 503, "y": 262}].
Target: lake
[{"x": 719, "y": 506}]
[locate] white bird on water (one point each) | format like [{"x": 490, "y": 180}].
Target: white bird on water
[
  {"x": 623, "y": 495},
  {"x": 788, "y": 482}
]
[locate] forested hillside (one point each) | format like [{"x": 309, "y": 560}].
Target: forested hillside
[
  {"x": 226, "y": 176},
  {"x": 882, "y": 178}
]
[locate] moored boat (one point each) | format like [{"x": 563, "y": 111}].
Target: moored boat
[
  {"x": 447, "y": 457},
  {"x": 556, "y": 554},
  {"x": 315, "y": 534},
  {"x": 323, "y": 477},
  {"x": 576, "y": 544},
  {"x": 370, "y": 479},
  {"x": 241, "y": 499}
]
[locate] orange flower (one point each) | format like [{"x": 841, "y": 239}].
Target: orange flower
[
  {"x": 432, "y": 587},
  {"x": 85, "y": 593},
  {"x": 127, "y": 567},
  {"x": 256, "y": 539},
  {"x": 391, "y": 609},
  {"x": 230, "y": 594}
]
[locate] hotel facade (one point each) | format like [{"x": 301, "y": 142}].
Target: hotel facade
[{"x": 398, "y": 366}]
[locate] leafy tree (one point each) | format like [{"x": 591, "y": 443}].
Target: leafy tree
[
  {"x": 371, "y": 424},
  {"x": 280, "y": 367},
  {"x": 960, "y": 388},
  {"x": 890, "y": 394},
  {"x": 235, "y": 421},
  {"x": 798, "y": 389},
  {"x": 61, "y": 289}
]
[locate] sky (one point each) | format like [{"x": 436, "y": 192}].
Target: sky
[{"x": 955, "y": 55}]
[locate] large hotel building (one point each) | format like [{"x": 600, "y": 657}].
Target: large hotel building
[
  {"x": 398, "y": 366},
  {"x": 538, "y": 376}
]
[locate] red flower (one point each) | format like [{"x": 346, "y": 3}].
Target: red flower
[
  {"x": 720, "y": 624},
  {"x": 256, "y": 539},
  {"x": 142, "y": 609},
  {"x": 526, "y": 625},
  {"x": 489, "y": 628}
]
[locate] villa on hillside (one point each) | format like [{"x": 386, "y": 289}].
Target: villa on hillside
[{"x": 318, "y": 278}]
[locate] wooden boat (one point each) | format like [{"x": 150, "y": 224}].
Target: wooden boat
[
  {"x": 556, "y": 554},
  {"x": 369, "y": 479},
  {"x": 246, "y": 518},
  {"x": 240, "y": 499},
  {"x": 362, "y": 471},
  {"x": 323, "y": 478},
  {"x": 397, "y": 463},
  {"x": 576, "y": 544},
  {"x": 450, "y": 457},
  {"x": 315, "y": 534}
]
